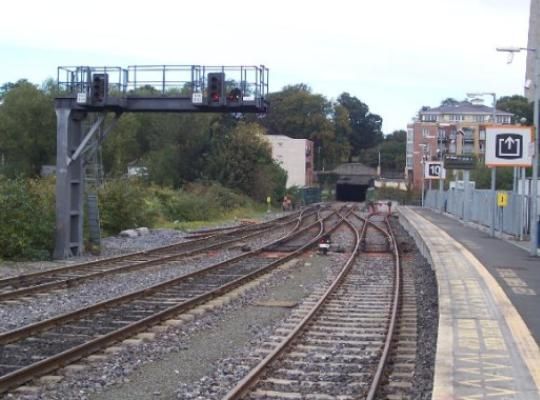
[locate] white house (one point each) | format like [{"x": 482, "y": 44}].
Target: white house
[{"x": 295, "y": 156}]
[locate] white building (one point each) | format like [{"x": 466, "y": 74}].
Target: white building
[{"x": 295, "y": 156}]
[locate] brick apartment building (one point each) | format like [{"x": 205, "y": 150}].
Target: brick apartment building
[{"x": 457, "y": 129}]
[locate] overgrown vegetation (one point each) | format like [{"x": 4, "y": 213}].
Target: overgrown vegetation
[
  {"x": 26, "y": 218},
  {"x": 27, "y": 210}
]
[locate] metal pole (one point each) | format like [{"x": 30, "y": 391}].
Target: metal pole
[
  {"x": 441, "y": 180},
  {"x": 522, "y": 205},
  {"x": 493, "y": 202},
  {"x": 493, "y": 176},
  {"x": 423, "y": 183},
  {"x": 534, "y": 194},
  {"x": 466, "y": 195}
]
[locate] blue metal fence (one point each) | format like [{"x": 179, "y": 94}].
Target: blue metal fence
[{"x": 478, "y": 207}]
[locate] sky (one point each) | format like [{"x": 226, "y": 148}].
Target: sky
[{"x": 394, "y": 55}]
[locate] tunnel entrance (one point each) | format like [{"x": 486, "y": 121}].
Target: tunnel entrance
[
  {"x": 350, "y": 181},
  {"x": 351, "y": 192}
]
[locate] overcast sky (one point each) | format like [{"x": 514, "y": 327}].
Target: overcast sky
[{"x": 394, "y": 55}]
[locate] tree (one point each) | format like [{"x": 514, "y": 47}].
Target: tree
[
  {"x": 517, "y": 105},
  {"x": 27, "y": 130},
  {"x": 365, "y": 127},
  {"x": 241, "y": 159},
  {"x": 449, "y": 102},
  {"x": 392, "y": 152}
]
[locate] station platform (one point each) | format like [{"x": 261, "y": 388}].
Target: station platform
[{"x": 489, "y": 310}]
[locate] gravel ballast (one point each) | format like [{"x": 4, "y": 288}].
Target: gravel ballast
[
  {"x": 204, "y": 358},
  {"x": 36, "y": 308}
]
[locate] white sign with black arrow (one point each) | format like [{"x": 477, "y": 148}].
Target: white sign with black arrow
[{"x": 509, "y": 146}]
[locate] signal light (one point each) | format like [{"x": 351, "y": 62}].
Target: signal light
[
  {"x": 215, "y": 88},
  {"x": 100, "y": 83},
  {"x": 234, "y": 96}
]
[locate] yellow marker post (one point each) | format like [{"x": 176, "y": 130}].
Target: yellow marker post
[
  {"x": 268, "y": 203},
  {"x": 502, "y": 199}
]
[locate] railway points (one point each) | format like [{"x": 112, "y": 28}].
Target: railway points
[{"x": 487, "y": 293}]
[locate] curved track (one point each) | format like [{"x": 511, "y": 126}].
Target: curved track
[
  {"x": 22, "y": 285},
  {"x": 47, "y": 345},
  {"x": 338, "y": 347}
]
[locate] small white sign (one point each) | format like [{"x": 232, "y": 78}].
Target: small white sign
[
  {"x": 434, "y": 170},
  {"x": 509, "y": 146},
  {"x": 81, "y": 98},
  {"x": 197, "y": 98},
  {"x": 248, "y": 98}
]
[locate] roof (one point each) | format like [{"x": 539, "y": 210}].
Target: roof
[
  {"x": 354, "y": 180},
  {"x": 354, "y": 169},
  {"x": 464, "y": 107}
]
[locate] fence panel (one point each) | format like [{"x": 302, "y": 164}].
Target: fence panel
[{"x": 478, "y": 208}]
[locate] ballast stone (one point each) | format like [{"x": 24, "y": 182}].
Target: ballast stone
[
  {"x": 143, "y": 231},
  {"x": 129, "y": 233},
  {"x": 133, "y": 233}
]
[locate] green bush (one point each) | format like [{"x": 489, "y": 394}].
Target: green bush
[
  {"x": 123, "y": 205},
  {"x": 198, "y": 202},
  {"x": 26, "y": 218},
  {"x": 182, "y": 206}
]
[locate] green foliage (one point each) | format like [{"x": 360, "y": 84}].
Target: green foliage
[
  {"x": 128, "y": 203},
  {"x": 26, "y": 218},
  {"x": 392, "y": 151},
  {"x": 198, "y": 202},
  {"x": 365, "y": 127},
  {"x": 481, "y": 175},
  {"x": 241, "y": 160},
  {"x": 519, "y": 106},
  {"x": 123, "y": 205},
  {"x": 27, "y": 129},
  {"x": 449, "y": 102}
]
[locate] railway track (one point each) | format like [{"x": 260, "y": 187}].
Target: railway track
[
  {"x": 337, "y": 346},
  {"x": 69, "y": 276},
  {"x": 44, "y": 346}
]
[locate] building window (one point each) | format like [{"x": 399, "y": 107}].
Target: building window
[
  {"x": 429, "y": 117},
  {"x": 479, "y": 118},
  {"x": 456, "y": 117},
  {"x": 409, "y": 162},
  {"x": 425, "y": 132}
]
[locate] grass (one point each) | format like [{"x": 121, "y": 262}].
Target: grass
[{"x": 239, "y": 213}]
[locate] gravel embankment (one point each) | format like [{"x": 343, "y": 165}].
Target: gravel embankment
[
  {"x": 427, "y": 311},
  {"x": 37, "y": 308}
]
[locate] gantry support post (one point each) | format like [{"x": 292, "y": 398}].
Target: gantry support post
[{"x": 69, "y": 184}]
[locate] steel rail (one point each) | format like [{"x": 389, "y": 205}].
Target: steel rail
[
  {"x": 393, "y": 319},
  {"x": 26, "y": 373},
  {"x": 251, "y": 378},
  {"x": 124, "y": 268}
]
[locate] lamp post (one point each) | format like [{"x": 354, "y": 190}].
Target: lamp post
[
  {"x": 494, "y": 169},
  {"x": 534, "y": 189},
  {"x": 441, "y": 135},
  {"x": 423, "y": 146}
]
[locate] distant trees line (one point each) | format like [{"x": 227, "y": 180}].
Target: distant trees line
[{"x": 181, "y": 148}]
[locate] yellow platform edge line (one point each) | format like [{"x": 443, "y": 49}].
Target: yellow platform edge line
[{"x": 525, "y": 343}]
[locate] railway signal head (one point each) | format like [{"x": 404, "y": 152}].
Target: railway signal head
[
  {"x": 215, "y": 88},
  {"x": 234, "y": 96},
  {"x": 99, "y": 88}
]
